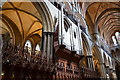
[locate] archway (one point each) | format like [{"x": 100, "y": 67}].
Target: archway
[
  {"x": 98, "y": 62},
  {"x": 86, "y": 51}
]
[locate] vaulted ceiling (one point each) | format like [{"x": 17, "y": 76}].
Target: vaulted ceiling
[
  {"x": 25, "y": 17},
  {"x": 103, "y": 16}
]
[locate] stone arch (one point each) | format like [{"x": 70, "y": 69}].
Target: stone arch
[
  {"x": 85, "y": 43},
  {"x": 86, "y": 51},
  {"x": 47, "y": 30},
  {"x": 96, "y": 58},
  {"x": 35, "y": 39},
  {"x": 46, "y": 16},
  {"x": 12, "y": 28},
  {"x": 97, "y": 54},
  {"x": 5, "y": 26}
]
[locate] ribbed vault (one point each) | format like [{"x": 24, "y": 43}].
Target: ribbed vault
[
  {"x": 103, "y": 18},
  {"x": 25, "y": 17}
]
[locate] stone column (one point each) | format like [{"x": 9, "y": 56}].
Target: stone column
[
  {"x": 44, "y": 45},
  {"x": 51, "y": 46},
  {"x": 114, "y": 71},
  {"x": 71, "y": 39},
  {"x": 79, "y": 38},
  {"x": 102, "y": 70},
  {"x": 61, "y": 24},
  {"x": 90, "y": 62},
  {"x": 48, "y": 46},
  {"x": 114, "y": 76},
  {"x": 93, "y": 66}
]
